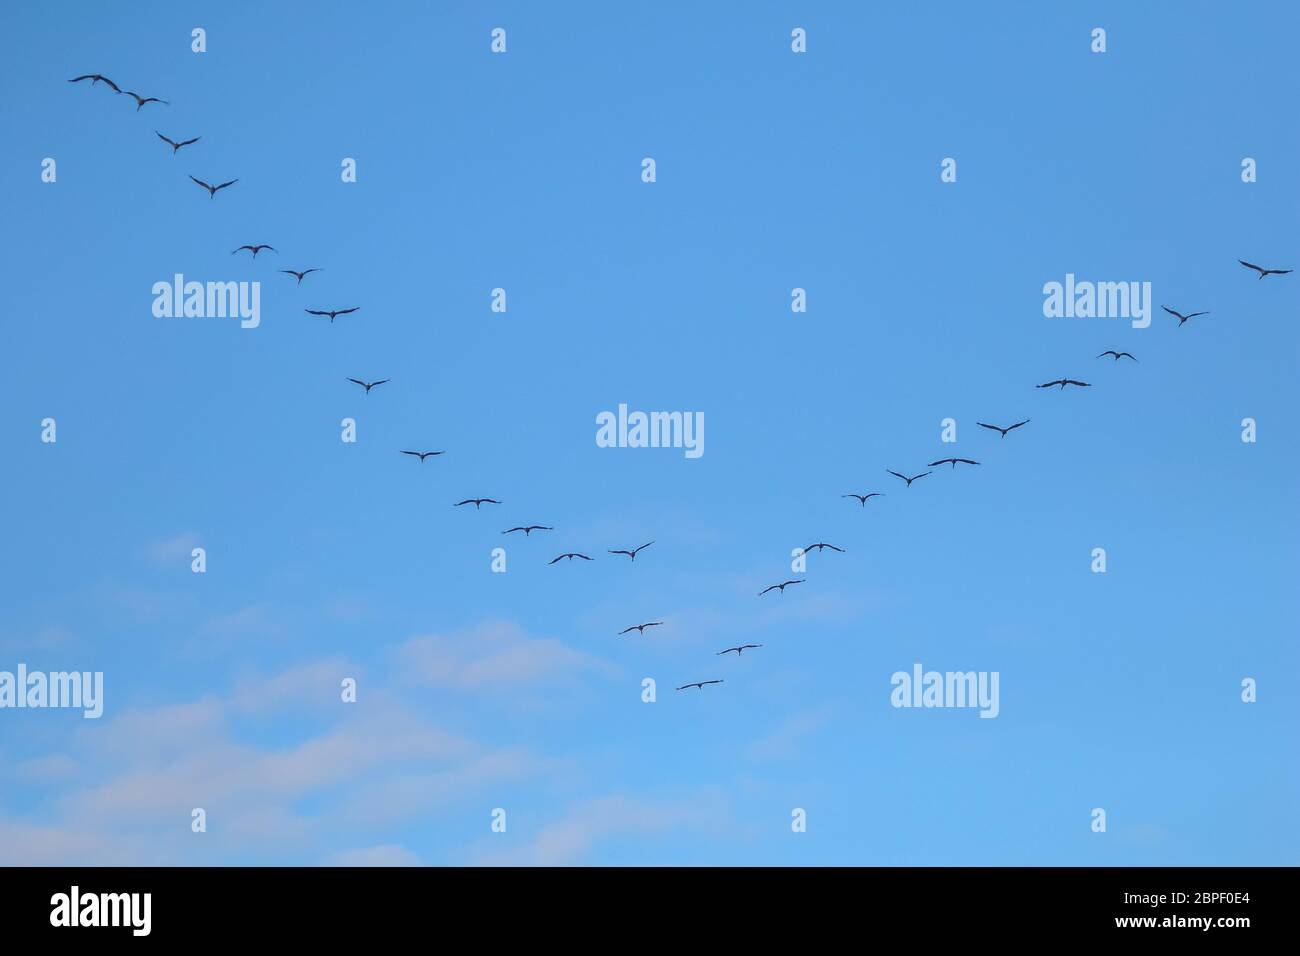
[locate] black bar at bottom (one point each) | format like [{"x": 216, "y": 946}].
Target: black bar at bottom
[{"x": 334, "y": 905}]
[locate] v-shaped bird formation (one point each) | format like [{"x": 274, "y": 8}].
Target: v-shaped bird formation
[{"x": 216, "y": 185}]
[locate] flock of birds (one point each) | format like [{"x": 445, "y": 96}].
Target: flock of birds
[{"x": 861, "y": 498}]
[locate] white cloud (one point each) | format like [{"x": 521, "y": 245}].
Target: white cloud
[
  {"x": 494, "y": 654},
  {"x": 387, "y": 854},
  {"x": 567, "y": 841},
  {"x": 783, "y": 742},
  {"x": 174, "y": 549}
]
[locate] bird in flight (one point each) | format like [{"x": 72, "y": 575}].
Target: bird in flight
[
  {"x": 96, "y": 78},
  {"x": 1064, "y": 382},
  {"x": 1180, "y": 317},
  {"x": 332, "y": 313},
  {"x": 141, "y": 100},
  {"x": 779, "y": 587},
  {"x": 639, "y": 628},
  {"x": 1249, "y": 265},
  {"x": 952, "y": 461},
  {"x": 1002, "y": 430},
  {"x": 212, "y": 190},
  {"x": 633, "y": 553},
  {"x": 907, "y": 479},
  {"x": 175, "y": 145},
  {"x": 820, "y": 545},
  {"x": 476, "y": 502},
  {"x": 369, "y": 385},
  {"x": 862, "y": 499},
  {"x": 422, "y": 454},
  {"x": 700, "y": 684},
  {"x": 529, "y": 530},
  {"x": 254, "y": 249},
  {"x": 739, "y": 650},
  {"x": 294, "y": 272},
  {"x": 570, "y": 555},
  {"x": 1120, "y": 355}
]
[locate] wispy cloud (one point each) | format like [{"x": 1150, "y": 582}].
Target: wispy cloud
[
  {"x": 139, "y": 776},
  {"x": 782, "y": 743},
  {"x": 387, "y": 854},
  {"x": 571, "y": 838},
  {"x": 498, "y": 653},
  {"x": 173, "y": 549}
]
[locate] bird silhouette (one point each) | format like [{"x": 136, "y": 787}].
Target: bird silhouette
[
  {"x": 369, "y": 385},
  {"x": 213, "y": 190},
  {"x": 739, "y": 650},
  {"x": 700, "y": 684},
  {"x": 1064, "y": 382},
  {"x": 1002, "y": 430},
  {"x": 175, "y": 145},
  {"x": 633, "y": 553},
  {"x": 1120, "y": 355},
  {"x": 907, "y": 479},
  {"x": 862, "y": 499},
  {"x": 1249, "y": 265},
  {"x": 254, "y": 249},
  {"x": 821, "y": 545},
  {"x": 332, "y": 313},
  {"x": 141, "y": 100},
  {"x": 952, "y": 461},
  {"x": 96, "y": 78},
  {"x": 1179, "y": 316},
  {"x": 639, "y": 628},
  {"x": 423, "y": 454},
  {"x": 570, "y": 555},
  {"x": 779, "y": 587},
  {"x": 529, "y": 530},
  {"x": 294, "y": 272},
  {"x": 476, "y": 502}
]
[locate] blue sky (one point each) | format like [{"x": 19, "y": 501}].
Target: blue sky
[{"x": 775, "y": 170}]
